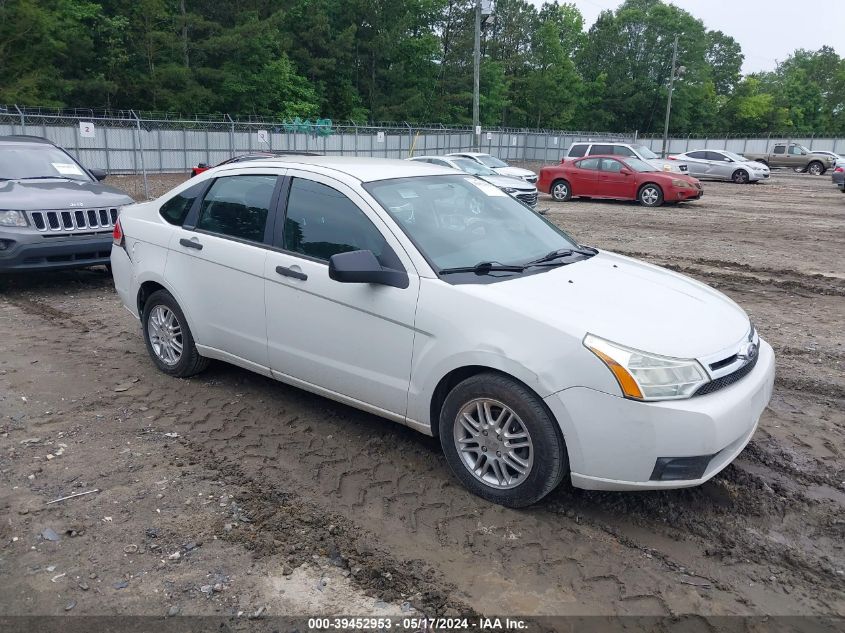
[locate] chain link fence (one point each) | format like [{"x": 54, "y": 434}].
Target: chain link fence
[{"x": 130, "y": 142}]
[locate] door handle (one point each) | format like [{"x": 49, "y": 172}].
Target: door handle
[
  {"x": 289, "y": 272},
  {"x": 191, "y": 244}
]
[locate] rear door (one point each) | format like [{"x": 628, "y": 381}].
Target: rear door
[
  {"x": 352, "y": 340},
  {"x": 697, "y": 163},
  {"x": 216, "y": 266},
  {"x": 584, "y": 177}
]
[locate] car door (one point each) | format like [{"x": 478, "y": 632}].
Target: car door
[
  {"x": 796, "y": 157},
  {"x": 778, "y": 157},
  {"x": 584, "y": 177},
  {"x": 216, "y": 266},
  {"x": 721, "y": 167},
  {"x": 345, "y": 340},
  {"x": 612, "y": 183},
  {"x": 697, "y": 163}
]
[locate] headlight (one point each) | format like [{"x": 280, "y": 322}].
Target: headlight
[
  {"x": 509, "y": 190},
  {"x": 681, "y": 184},
  {"x": 645, "y": 376},
  {"x": 12, "y": 218}
]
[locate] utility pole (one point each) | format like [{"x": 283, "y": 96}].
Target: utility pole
[
  {"x": 671, "y": 88},
  {"x": 476, "y": 74}
]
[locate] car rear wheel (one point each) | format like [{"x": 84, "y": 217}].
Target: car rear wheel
[
  {"x": 168, "y": 337},
  {"x": 815, "y": 168},
  {"x": 561, "y": 191},
  {"x": 740, "y": 176},
  {"x": 501, "y": 441},
  {"x": 650, "y": 196}
]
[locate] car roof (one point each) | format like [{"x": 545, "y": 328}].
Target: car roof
[
  {"x": 25, "y": 138},
  {"x": 362, "y": 169},
  {"x": 602, "y": 143},
  {"x": 469, "y": 154}
]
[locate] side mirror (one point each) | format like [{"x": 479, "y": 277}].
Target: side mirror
[
  {"x": 203, "y": 165},
  {"x": 99, "y": 174},
  {"x": 362, "y": 267},
  {"x": 625, "y": 171}
]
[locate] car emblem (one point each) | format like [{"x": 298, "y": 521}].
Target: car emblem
[
  {"x": 76, "y": 204},
  {"x": 748, "y": 352}
]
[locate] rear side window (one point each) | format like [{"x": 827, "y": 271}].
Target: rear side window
[
  {"x": 589, "y": 163},
  {"x": 576, "y": 151},
  {"x": 176, "y": 209},
  {"x": 237, "y": 206},
  {"x": 321, "y": 222},
  {"x": 780, "y": 149},
  {"x": 601, "y": 149}
]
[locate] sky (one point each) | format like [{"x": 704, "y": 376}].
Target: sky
[{"x": 768, "y": 30}]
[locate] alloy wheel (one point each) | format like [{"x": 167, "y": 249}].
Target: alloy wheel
[
  {"x": 650, "y": 196},
  {"x": 560, "y": 191},
  {"x": 493, "y": 443},
  {"x": 165, "y": 334}
]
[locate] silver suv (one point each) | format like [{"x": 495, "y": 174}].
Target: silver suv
[
  {"x": 579, "y": 150},
  {"x": 54, "y": 213}
]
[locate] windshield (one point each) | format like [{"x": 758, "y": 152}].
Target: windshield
[
  {"x": 491, "y": 161},
  {"x": 737, "y": 157},
  {"x": 644, "y": 152},
  {"x": 640, "y": 165},
  {"x": 471, "y": 167},
  {"x": 21, "y": 162},
  {"x": 459, "y": 221}
]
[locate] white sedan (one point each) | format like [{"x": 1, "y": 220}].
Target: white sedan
[{"x": 434, "y": 299}]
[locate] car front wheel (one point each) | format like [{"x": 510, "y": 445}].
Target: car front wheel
[
  {"x": 501, "y": 441},
  {"x": 168, "y": 337},
  {"x": 815, "y": 168},
  {"x": 650, "y": 196},
  {"x": 740, "y": 176}
]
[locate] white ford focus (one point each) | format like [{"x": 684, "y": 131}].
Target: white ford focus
[{"x": 434, "y": 299}]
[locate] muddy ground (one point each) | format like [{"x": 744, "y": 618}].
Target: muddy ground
[{"x": 230, "y": 494}]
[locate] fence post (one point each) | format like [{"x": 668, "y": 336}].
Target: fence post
[
  {"x": 160, "y": 155},
  {"x": 23, "y": 120},
  {"x": 106, "y": 145},
  {"x": 231, "y": 138},
  {"x": 410, "y": 139},
  {"x": 812, "y": 138},
  {"x": 745, "y": 145},
  {"x": 185, "y": 148},
  {"x": 141, "y": 148}
]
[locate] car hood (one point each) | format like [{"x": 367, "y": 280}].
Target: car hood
[
  {"x": 31, "y": 195},
  {"x": 508, "y": 181},
  {"x": 754, "y": 165},
  {"x": 625, "y": 301},
  {"x": 515, "y": 172}
]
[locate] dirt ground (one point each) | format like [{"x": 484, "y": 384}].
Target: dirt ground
[{"x": 229, "y": 494}]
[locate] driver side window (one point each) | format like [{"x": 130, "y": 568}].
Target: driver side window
[{"x": 320, "y": 222}]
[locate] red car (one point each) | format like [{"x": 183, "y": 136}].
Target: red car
[{"x": 617, "y": 177}]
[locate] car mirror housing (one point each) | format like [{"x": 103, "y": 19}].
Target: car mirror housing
[
  {"x": 99, "y": 174},
  {"x": 625, "y": 171},
  {"x": 362, "y": 267}
]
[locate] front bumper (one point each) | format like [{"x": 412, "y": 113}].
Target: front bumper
[
  {"x": 685, "y": 194},
  {"x": 616, "y": 444},
  {"x": 36, "y": 252}
]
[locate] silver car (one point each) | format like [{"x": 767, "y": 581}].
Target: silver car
[
  {"x": 517, "y": 187},
  {"x": 719, "y": 164}
]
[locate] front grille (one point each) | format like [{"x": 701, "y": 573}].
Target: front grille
[
  {"x": 683, "y": 167},
  {"x": 74, "y": 221},
  {"x": 528, "y": 198},
  {"x": 729, "y": 379}
]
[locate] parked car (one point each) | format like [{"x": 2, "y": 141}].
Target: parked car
[
  {"x": 625, "y": 150},
  {"x": 516, "y": 187},
  {"x": 617, "y": 178},
  {"x": 838, "y": 159},
  {"x": 54, "y": 213},
  {"x": 796, "y": 156},
  {"x": 434, "y": 299},
  {"x": 718, "y": 164},
  {"x": 498, "y": 165},
  {"x": 201, "y": 167},
  {"x": 838, "y": 177}
]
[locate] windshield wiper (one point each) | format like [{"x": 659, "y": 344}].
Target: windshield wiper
[
  {"x": 482, "y": 268},
  {"x": 560, "y": 253},
  {"x": 45, "y": 177}
]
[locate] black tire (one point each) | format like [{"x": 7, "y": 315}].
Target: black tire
[
  {"x": 650, "y": 195},
  {"x": 799, "y": 170},
  {"x": 550, "y": 462},
  {"x": 815, "y": 168},
  {"x": 740, "y": 177},
  {"x": 561, "y": 190},
  {"x": 190, "y": 362}
]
